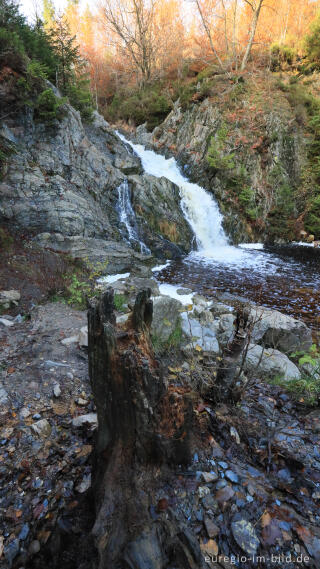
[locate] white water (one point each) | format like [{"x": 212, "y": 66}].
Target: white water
[
  {"x": 202, "y": 213},
  {"x": 127, "y": 216}
]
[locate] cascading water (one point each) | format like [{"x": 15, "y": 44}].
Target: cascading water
[
  {"x": 127, "y": 217},
  {"x": 266, "y": 276},
  {"x": 199, "y": 208}
]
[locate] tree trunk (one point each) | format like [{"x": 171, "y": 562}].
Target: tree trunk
[
  {"x": 144, "y": 427},
  {"x": 252, "y": 34},
  {"x": 230, "y": 358}
]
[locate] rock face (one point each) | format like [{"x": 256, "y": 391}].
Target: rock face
[
  {"x": 272, "y": 160},
  {"x": 156, "y": 202},
  {"x": 60, "y": 183}
]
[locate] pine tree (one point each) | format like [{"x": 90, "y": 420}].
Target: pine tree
[{"x": 66, "y": 50}]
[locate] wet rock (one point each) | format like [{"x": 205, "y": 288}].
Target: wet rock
[
  {"x": 245, "y": 535},
  {"x": 42, "y": 428},
  {"x": 270, "y": 363},
  {"x": 89, "y": 419},
  {"x": 225, "y": 329}
]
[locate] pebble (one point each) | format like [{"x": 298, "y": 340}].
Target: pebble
[
  {"x": 24, "y": 532},
  {"x": 224, "y": 494},
  {"x": 82, "y": 402},
  {"x": 11, "y": 551},
  {"x": 203, "y": 491},
  {"x": 4, "y": 397},
  {"x": 84, "y": 485},
  {"x": 90, "y": 418},
  {"x": 42, "y": 428},
  {"x": 221, "y": 484},
  {"x": 245, "y": 535},
  {"x": 211, "y": 528},
  {"x": 223, "y": 465},
  {"x": 232, "y": 476},
  {"x": 5, "y": 322},
  {"x": 25, "y": 413},
  {"x": 209, "y": 476},
  {"x": 56, "y": 390}
]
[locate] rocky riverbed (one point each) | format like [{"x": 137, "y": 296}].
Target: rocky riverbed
[{"x": 251, "y": 488}]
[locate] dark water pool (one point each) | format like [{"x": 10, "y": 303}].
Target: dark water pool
[{"x": 284, "y": 278}]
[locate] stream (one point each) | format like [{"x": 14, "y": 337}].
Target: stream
[{"x": 286, "y": 278}]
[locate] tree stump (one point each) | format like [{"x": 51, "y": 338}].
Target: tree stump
[{"x": 143, "y": 429}]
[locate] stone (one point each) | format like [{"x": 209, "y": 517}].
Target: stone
[
  {"x": 209, "y": 476},
  {"x": 203, "y": 336},
  {"x": 84, "y": 485},
  {"x": 9, "y": 297},
  {"x": 224, "y": 494},
  {"x": 83, "y": 337},
  {"x": 34, "y": 547},
  {"x": 25, "y": 413},
  {"x": 225, "y": 329},
  {"x": 122, "y": 319},
  {"x": 231, "y": 476},
  {"x": 11, "y": 551},
  {"x": 211, "y": 528},
  {"x": 166, "y": 316},
  {"x": 210, "y": 549},
  {"x": 276, "y": 330},
  {"x": 42, "y": 428},
  {"x": 82, "y": 402},
  {"x": 56, "y": 390},
  {"x": 245, "y": 535},
  {"x": 270, "y": 363},
  {"x": 6, "y": 322},
  {"x": 89, "y": 419},
  {"x": 70, "y": 340},
  {"x": 4, "y": 397}
]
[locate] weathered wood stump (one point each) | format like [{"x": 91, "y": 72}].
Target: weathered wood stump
[
  {"x": 226, "y": 374},
  {"x": 144, "y": 428}
]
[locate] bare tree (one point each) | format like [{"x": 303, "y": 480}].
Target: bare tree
[
  {"x": 206, "y": 27},
  {"x": 132, "y": 21},
  {"x": 256, "y": 6}
]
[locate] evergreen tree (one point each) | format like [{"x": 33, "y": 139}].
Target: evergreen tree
[{"x": 66, "y": 51}]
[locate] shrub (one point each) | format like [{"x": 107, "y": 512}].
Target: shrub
[
  {"x": 47, "y": 107},
  {"x": 80, "y": 98},
  {"x": 312, "y": 220},
  {"x": 215, "y": 157},
  {"x": 146, "y": 105},
  {"x": 119, "y": 301}
]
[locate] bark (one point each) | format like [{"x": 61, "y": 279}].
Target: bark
[
  {"x": 144, "y": 429},
  {"x": 253, "y": 27},
  {"x": 230, "y": 358}
]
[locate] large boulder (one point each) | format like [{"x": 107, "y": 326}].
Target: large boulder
[
  {"x": 198, "y": 334},
  {"x": 270, "y": 364},
  {"x": 157, "y": 204},
  {"x": 166, "y": 316},
  {"x": 274, "y": 329}
]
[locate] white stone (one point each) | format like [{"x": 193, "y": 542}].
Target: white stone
[{"x": 90, "y": 418}]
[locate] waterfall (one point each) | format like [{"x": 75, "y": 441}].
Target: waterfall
[
  {"x": 198, "y": 205},
  {"x": 127, "y": 217}
]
